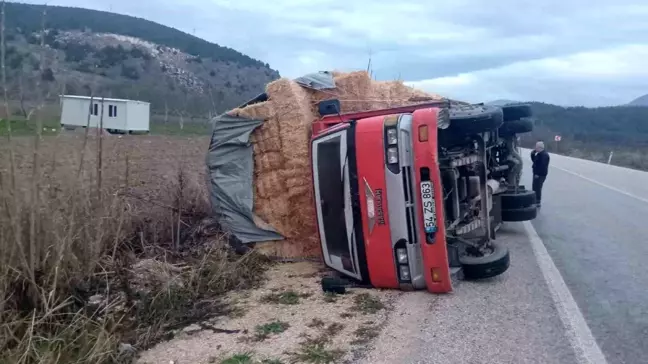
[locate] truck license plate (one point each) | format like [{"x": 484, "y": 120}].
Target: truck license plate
[{"x": 429, "y": 208}]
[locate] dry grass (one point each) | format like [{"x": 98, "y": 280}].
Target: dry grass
[
  {"x": 264, "y": 331},
  {"x": 106, "y": 251},
  {"x": 289, "y": 297},
  {"x": 367, "y": 304}
]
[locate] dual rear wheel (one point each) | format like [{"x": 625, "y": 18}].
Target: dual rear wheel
[{"x": 518, "y": 205}]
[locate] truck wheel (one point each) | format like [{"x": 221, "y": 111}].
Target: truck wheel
[
  {"x": 516, "y": 111},
  {"x": 519, "y": 200},
  {"x": 475, "y": 119},
  {"x": 522, "y": 214},
  {"x": 516, "y": 127},
  {"x": 486, "y": 266}
]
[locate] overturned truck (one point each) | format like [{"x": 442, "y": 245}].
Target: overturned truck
[{"x": 389, "y": 186}]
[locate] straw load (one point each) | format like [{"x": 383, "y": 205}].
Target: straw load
[{"x": 282, "y": 171}]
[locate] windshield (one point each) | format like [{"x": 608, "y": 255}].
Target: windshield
[{"x": 333, "y": 197}]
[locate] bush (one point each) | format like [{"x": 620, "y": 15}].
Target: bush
[
  {"x": 111, "y": 56},
  {"x": 129, "y": 72},
  {"x": 48, "y": 75},
  {"x": 15, "y": 60},
  {"x": 76, "y": 52}
]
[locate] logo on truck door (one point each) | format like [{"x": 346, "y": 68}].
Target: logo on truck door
[{"x": 380, "y": 213}]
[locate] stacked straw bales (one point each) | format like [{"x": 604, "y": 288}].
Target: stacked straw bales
[{"x": 283, "y": 185}]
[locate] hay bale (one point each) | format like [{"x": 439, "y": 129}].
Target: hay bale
[
  {"x": 259, "y": 111},
  {"x": 299, "y": 192},
  {"x": 274, "y": 211},
  {"x": 267, "y": 162},
  {"x": 305, "y": 248},
  {"x": 283, "y": 185},
  {"x": 352, "y": 89},
  {"x": 396, "y": 93},
  {"x": 267, "y": 145},
  {"x": 268, "y": 183}
]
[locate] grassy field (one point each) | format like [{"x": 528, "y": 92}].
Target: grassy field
[
  {"x": 107, "y": 246},
  {"x": 635, "y": 157},
  {"x": 25, "y": 128},
  {"x": 52, "y": 127},
  {"x": 188, "y": 129}
]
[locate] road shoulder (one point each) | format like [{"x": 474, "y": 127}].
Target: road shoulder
[{"x": 508, "y": 319}]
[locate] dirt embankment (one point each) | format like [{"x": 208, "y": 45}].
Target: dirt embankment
[{"x": 288, "y": 320}]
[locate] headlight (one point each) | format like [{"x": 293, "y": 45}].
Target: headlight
[
  {"x": 401, "y": 255},
  {"x": 404, "y": 273},
  {"x": 392, "y": 136},
  {"x": 392, "y": 155}
]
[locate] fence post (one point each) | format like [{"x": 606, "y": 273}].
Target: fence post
[{"x": 610, "y": 157}]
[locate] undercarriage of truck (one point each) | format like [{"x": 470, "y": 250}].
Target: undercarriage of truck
[{"x": 480, "y": 169}]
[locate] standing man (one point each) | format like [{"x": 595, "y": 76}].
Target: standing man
[{"x": 540, "y": 159}]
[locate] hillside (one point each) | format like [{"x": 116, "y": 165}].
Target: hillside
[
  {"x": 112, "y": 55},
  {"x": 614, "y": 125},
  {"x": 501, "y": 102},
  {"x": 592, "y": 133},
  {"x": 611, "y": 125},
  {"x": 639, "y": 101}
]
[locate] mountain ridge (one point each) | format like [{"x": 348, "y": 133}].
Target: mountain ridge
[
  {"x": 639, "y": 101},
  {"x": 96, "y": 52},
  {"x": 99, "y": 21}
]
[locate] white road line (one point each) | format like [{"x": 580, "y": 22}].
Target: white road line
[
  {"x": 603, "y": 184},
  {"x": 578, "y": 333}
]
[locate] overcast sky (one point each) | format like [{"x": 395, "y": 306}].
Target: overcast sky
[{"x": 567, "y": 52}]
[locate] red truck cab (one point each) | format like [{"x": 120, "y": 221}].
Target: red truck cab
[{"x": 379, "y": 197}]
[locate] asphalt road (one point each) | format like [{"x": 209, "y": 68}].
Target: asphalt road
[
  {"x": 594, "y": 224},
  {"x": 576, "y": 291}
]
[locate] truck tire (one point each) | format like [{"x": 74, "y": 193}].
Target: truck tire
[
  {"x": 486, "y": 266},
  {"x": 519, "y": 200},
  {"x": 334, "y": 285},
  {"x": 475, "y": 119},
  {"x": 516, "y": 111},
  {"x": 516, "y": 127},
  {"x": 522, "y": 214}
]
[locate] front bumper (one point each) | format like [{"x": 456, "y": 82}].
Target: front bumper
[{"x": 434, "y": 250}]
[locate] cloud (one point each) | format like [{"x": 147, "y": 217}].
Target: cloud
[
  {"x": 606, "y": 77},
  {"x": 446, "y": 42}
]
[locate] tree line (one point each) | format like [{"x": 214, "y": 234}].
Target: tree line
[
  {"x": 592, "y": 133},
  {"x": 614, "y": 125}
]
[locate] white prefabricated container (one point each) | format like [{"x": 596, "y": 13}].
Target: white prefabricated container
[{"x": 119, "y": 116}]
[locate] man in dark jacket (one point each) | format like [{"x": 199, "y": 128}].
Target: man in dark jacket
[{"x": 540, "y": 159}]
